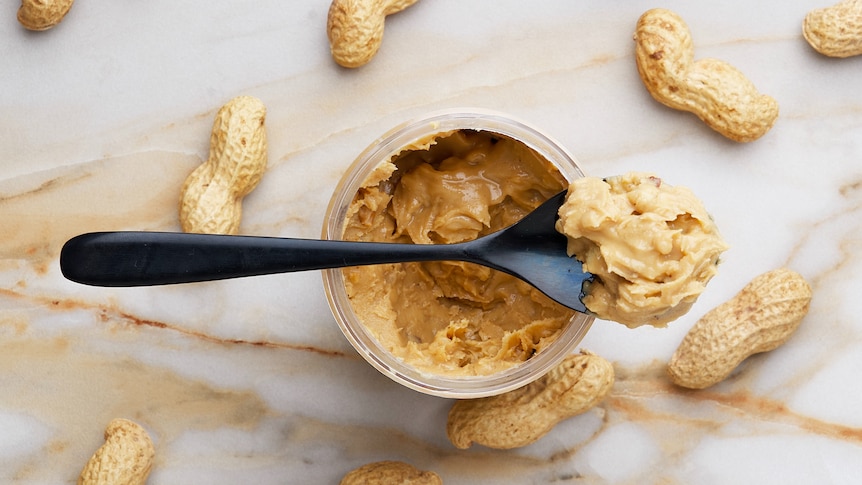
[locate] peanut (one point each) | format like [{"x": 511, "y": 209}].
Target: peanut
[
  {"x": 355, "y": 28},
  {"x": 522, "y": 416},
  {"x": 713, "y": 90},
  {"x": 390, "y": 472},
  {"x": 835, "y": 31},
  {"x": 761, "y": 317},
  {"x": 211, "y": 197},
  {"x": 125, "y": 458},
  {"x": 42, "y": 14}
]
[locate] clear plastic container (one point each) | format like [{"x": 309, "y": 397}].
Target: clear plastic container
[{"x": 361, "y": 338}]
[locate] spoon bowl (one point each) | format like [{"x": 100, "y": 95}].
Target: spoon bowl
[{"x": 531, "y": 250}]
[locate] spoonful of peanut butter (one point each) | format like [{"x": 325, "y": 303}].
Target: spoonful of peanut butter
[{"x": 628, "y": 248}]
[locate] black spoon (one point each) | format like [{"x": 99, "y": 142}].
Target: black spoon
[{"x": 531, "y": 250}]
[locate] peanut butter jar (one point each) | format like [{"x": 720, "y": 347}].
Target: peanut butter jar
[{"x": 449, "y": 329}]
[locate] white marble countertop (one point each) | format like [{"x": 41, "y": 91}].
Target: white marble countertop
[{"x": 251, "y": 381}]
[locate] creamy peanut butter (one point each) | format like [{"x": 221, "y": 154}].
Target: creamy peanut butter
[
  {"x": 452, "y": 318},
  {"x": 653, "y": 247}
]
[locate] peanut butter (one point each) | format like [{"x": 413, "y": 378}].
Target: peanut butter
[
  {"x": 652, "y": 247},
  {"x": 452, "y": 318}
]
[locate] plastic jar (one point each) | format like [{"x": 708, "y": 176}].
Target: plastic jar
[{"x": 384, "y": 149}]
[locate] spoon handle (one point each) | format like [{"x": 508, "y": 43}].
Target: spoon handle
[{"x": 160, "y": 258}]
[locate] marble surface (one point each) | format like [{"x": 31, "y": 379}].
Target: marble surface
[{"x": 251, "y": 381}]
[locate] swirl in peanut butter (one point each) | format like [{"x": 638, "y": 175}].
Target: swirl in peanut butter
[{"x": 452, "y": 318}]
